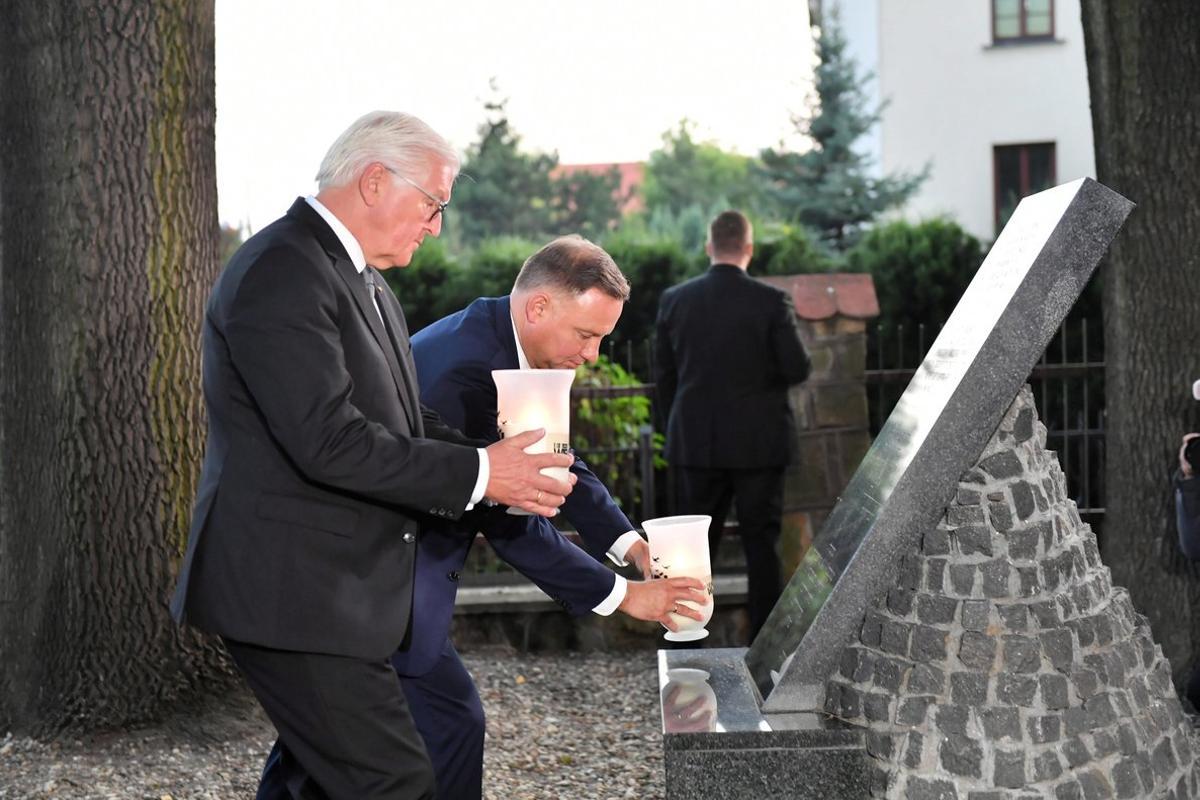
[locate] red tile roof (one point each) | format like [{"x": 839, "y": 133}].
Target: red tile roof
[{"x": 824, "y": 295}]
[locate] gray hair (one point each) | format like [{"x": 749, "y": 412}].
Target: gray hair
[
  {"x": 398, "y": 140},
  {"x": 573, "y": 264}
]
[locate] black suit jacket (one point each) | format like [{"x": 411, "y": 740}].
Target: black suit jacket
[
  {"x": 728, "y": 346},
  {"x": 320, "y": 462}
]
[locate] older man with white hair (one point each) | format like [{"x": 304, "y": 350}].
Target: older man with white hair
[{"x": 321, "y": 465}]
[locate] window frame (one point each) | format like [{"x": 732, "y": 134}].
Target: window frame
[
  {"x": 1025, "y": 189},
  {"x": 1023, "y": 35}
]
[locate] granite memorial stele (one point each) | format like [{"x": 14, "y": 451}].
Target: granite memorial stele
[{"x": 771, "y": 735}]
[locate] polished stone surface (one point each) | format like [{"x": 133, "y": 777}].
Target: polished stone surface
[
  {"x": 718, "y": 744},
  {"x": 1022, "y": 292}
]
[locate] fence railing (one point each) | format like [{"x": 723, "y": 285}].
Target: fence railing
[{"x": 1068, "y": 387}]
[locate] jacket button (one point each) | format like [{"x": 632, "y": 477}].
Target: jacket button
[
  {"x": 409, "y": 538},
  {"x": 452, "y": 575}
]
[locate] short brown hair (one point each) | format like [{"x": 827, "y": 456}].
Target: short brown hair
[
  {"x": 573, "y": 264},
  {"x": 729, "y": 233}
]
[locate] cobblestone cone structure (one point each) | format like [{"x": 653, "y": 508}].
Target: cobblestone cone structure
[{"x": 1004, "y": 663}]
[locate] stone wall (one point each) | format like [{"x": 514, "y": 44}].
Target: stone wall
[
  {"x": 832, "y": 430},
  {"x": 830, "y": 408},
  {"x": 1003, "y": 663}
]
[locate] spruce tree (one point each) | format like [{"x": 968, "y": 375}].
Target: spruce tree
[{"x": 829, "y": 188}]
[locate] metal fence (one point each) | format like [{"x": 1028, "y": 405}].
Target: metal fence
[{"x": 1068, "y": 387}]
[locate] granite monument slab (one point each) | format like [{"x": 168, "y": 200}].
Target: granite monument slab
[{"x": 1017, "y": 300}]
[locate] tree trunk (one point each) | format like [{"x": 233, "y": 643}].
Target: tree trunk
[
  {"x": 1144, "y": 73},
  {"x": 108, "y": 243}
]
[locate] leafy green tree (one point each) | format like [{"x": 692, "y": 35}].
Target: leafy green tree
[
  {"x": 783, "y": 248},
  {"x": 587, "y": 203},
  {"x": 688, "y": 226},
  {"x": 430, "y": 287},
  {"x": 652, "y": 265},
  {"x": 685, "y": 173},
  {"x": 502, "y": 191},
  {"x": 829, "y": 187},
  {"x": 607, "y": 430},
  {"x": 488, "y": 270}
]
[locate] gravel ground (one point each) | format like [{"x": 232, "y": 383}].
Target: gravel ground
[{"x": 560, "y": 725}]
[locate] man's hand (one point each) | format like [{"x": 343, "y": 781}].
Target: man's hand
[
  {"x": 638, "y": 554},
  {"x": 1184, "y": 466},
  {"x": 514, "y": 478},
  {"x": 696, "y": 714},
  {"x": 656, "y": 600}
]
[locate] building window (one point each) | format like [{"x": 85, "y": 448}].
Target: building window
[
  {"x": 1020, "y": 170},
  {"x": 1022, "y": 20}
]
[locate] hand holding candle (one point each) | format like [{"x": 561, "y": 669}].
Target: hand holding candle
[
  {"x": 679, "y": 548},
  {"x": 532, "y": 399},
  {"x": 517, "y": 479}
]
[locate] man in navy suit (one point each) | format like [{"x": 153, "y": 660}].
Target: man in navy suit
[{"x": 567, "y": 297}]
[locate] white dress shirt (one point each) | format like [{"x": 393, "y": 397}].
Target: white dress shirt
[{"x": 620, "y": 547}]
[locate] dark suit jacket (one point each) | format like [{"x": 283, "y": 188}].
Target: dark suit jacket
[
  {"x": 320, "y": 464},
  {"x": 455, "y": 357},
  {"x": 728, "y": 346}
]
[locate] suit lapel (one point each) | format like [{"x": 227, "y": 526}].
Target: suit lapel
[
  {"x": 506, "y": 338},
  {"x": 405, "y": 380},
  {"x": 366, "y": 308}
]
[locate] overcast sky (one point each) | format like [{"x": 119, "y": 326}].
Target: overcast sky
[{"x": 596, "y": 80}]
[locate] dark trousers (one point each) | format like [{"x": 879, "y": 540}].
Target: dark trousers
[
  {"x": 345, "y": 732},
  {"x": 759, "y": 497},
  {"x": 449, "y": 715}
]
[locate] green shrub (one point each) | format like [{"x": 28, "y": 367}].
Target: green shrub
[
  {"x": 611, "y": 429},
  {"x": 920, "y": 269},
  {"x": 652, "y": 265},
  {"x": 788, "y": 249},
  {"x": 424, "y": 286}
]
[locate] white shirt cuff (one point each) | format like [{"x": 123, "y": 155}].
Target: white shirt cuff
[
  {"x": 615, "y": 597},
  {"x": 485, "y": 472},
  {"x": 621, "y": 546}
]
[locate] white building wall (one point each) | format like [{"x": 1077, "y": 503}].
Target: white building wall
[
  {"x": 953, "y": 95},
  {"x": 860, "y": 23}
]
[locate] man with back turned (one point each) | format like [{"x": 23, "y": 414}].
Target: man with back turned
[{"x": 728, "y": 347}]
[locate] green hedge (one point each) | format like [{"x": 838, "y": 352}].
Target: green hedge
[{"x": 920, "y": 269}]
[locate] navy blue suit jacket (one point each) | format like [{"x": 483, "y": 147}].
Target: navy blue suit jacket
[{"x": 455, "y": 357}]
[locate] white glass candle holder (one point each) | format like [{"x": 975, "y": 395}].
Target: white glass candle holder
[
  {"x": 679, "y": 549},
  {"x": 527, "y": 399},
  {"x": 689, "y": 704}
]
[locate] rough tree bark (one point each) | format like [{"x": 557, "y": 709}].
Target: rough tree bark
[
  {"x": 108, "y": 242},
  {"x": 1144, "y": 73}
]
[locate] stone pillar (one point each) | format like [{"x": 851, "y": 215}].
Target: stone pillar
[
  {"x": 830, "y": 408},
  {"x": 1004, "y": 663}
]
